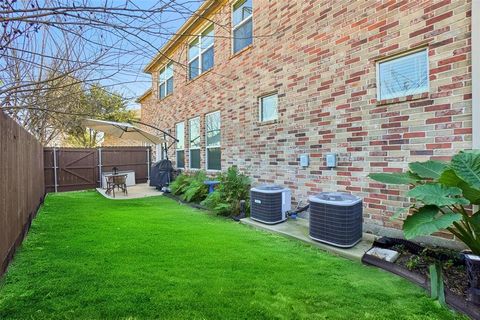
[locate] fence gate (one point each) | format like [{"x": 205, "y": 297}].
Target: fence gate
[
  {"x": 73, "y": 169},
  {"x": 69, "y": 169}
]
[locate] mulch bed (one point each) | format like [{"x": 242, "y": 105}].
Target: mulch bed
[{"x": 413, "y": 264}]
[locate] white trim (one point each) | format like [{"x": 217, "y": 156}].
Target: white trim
[
  {"x": 164, "y": 69},
  {"x": 260, "y": 107},
  {"x": 212, "y": 147},
  {"x": 234, "y": 27},
  {"x": 176, "y": 144},
  {"x": 475, "y": 19},
  {"x": 201, "y": 51},
  {"x": 397, "y": 56},
  {"x": 241, "y": 23}
]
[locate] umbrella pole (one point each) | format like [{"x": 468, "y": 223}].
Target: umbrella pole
[{"x": 165, "y": 145}]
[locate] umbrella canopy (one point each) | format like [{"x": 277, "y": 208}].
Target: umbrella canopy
[{"x": 122, "y": 130}]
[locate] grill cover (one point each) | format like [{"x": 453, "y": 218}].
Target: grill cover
[
  {"x": 336, "y": 218},
  {"x": 161, "y": 174}
]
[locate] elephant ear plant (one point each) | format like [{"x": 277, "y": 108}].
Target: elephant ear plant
[{"x": 441, "y": 193}]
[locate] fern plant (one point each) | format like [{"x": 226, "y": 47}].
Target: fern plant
[
  {"x": 196, "y": 190},
  {"x": 180, "y": 184},
  {"x": 234, "y": 187}
]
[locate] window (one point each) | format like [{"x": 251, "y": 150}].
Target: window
[
  {"x": 268, "y": 107},
  {"x": 166, "y": 81},
  {"x": 242, "y": 23},
  {"x": 200, "y": 54},
  {"x": 194, "y": 127},
  {"x": 212, "y": 138},
  {"x": 403, "y": 75},
  {"x": 180, "y": 152},
  {"x": 160, "y": 152}
]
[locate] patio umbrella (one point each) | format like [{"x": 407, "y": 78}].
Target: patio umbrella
[{"x": 122, "y": 130}]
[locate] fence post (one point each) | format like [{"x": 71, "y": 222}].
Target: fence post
[
  {"x": 100, "y": 168},
  {"x": 148, "y": 163},
  {"x": 55, "y": 182}
]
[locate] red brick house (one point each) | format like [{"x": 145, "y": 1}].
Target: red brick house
[{"x": 378, "y": 83}]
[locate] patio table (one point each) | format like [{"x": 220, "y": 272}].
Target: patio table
[{"x": 116, "y": 180}]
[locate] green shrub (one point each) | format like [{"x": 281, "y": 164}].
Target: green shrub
[
  {"x": 196, "y": 190},
  {"x": 443, "y": 193},
  {"x": 180, "y": 184},
  {"x": 225, "y": 200}
]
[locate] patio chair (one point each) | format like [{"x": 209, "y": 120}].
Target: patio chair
[
  {"x": 120, "y": 182},
  {"x": 110, "y": 185}
]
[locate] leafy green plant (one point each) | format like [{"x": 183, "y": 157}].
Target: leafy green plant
[
  {"x": 196, "y": 190},
  {"x": 191, "y": 187},
  {"x": 441, "y": 193},
  {"x": 412, "y": 263},
  {"x": 234, "y": 187},
  {"x": 180, "y": 184}
]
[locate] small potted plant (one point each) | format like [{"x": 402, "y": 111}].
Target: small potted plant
[{"x": 443, "y": 195}]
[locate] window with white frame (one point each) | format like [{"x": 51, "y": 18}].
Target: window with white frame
[
  {"x": 165, "y": 86},
  {"x": 200, "y": 54},
  {"x": 160, "y": 152},
  {"x": 403, "y": 75},
  {"x": 212, "y": 141},
  {"x": 194, "y": 145},
  {"x": 268, "y": 107},
  {"x": 242, "y": 24},
  {"x": 180, "y": 148}
]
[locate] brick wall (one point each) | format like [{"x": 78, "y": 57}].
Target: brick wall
[
  {"x": 111, "y": 141},
  {"x": 320, "y": 56}
]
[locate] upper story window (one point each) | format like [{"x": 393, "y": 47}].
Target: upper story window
[
  {"x": 165, "y": 86},
  {"x": 200, "y": 53},
  {"x": 180, "y": 148},
  {"x": 403, "y": 75},
  {"x": 194, "y": 135},
  {"x": 268, "y": 107},
  {"x": 242, "y": 24}
]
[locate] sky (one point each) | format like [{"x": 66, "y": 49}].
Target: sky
[
  {"x": 110, "y": 47},
  {"x": 133, "y": 82}
]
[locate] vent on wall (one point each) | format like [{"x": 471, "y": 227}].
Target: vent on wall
[
  {"x": 270, "y": 203},
  {"x": 336, "y": 218}
]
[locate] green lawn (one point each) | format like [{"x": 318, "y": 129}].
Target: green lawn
[{"x": 88, "y": 257}]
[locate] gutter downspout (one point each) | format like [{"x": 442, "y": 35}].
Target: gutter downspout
[{"x": 475, "y": 33}]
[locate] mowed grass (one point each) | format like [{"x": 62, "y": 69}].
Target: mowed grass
[{"x": 87, "y": 257}]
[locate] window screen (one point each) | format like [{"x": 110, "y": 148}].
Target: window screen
[
  {"x": 268, "y": 107},
  {"x": 213, "y": 138},
  {"x": 242, "y": 24},
  {"x": 403, "y": 76}
]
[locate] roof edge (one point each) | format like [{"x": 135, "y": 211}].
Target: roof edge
[
  {"x": 208, "y": 5},
  {"x": 144, "y": 95}
]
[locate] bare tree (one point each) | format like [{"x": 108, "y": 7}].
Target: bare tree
[
  {"x": 51, "y": 51},
  {"x": 56, "y": 45}
]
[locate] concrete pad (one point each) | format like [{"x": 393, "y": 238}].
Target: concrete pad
[
  {"x": 141, "y": 190},
  {"x": 298, "y": 229}
]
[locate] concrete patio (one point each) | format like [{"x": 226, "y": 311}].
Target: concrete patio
[
  {"x": 298, "y": 229},
  {"x": 137, "y": 191}
]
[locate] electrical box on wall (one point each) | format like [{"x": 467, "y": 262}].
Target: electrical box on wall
[
  {"x": 331, "y": 160},
  {"x": 304, "y": 160}
]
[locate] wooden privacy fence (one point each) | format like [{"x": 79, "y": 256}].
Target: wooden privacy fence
[
  {"x": 21, "y": 185},
  {"x": 69, "y": 169}
]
